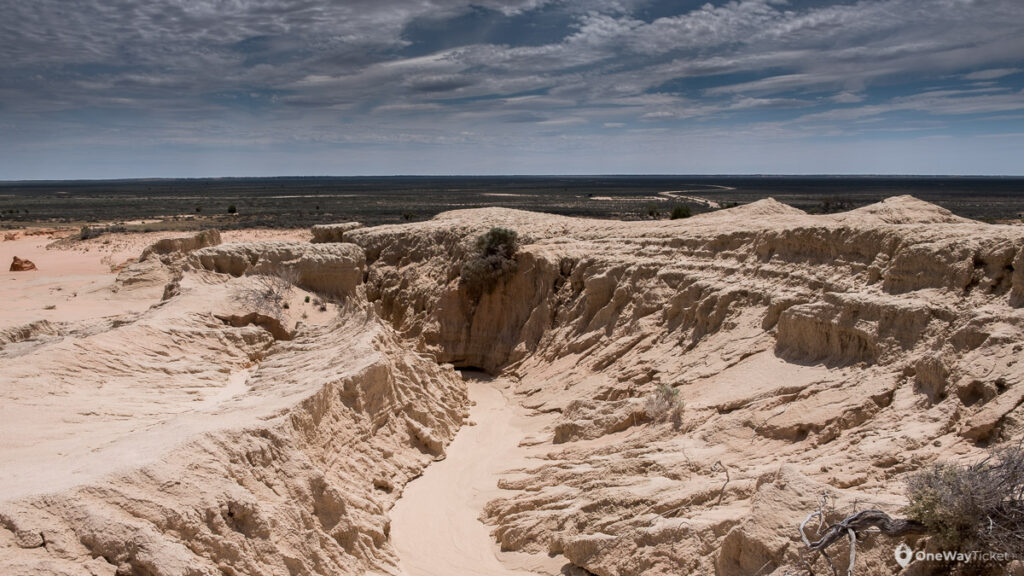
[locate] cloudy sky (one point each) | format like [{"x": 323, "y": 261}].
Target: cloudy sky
[{"x": 124, "y": 88}]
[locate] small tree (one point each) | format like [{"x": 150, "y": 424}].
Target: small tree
[
  {"x": 494, "y": 261},
  {"x": 232, "y": 209}
]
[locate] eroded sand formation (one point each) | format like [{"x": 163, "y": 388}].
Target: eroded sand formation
[{"x": 815, "y": 354}]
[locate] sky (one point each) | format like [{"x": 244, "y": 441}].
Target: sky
[{"x": 191, "y": 88}]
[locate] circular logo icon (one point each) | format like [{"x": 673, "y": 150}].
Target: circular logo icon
[{"x": 903, "y": 555}]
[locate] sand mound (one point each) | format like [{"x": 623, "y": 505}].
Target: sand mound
[
  {"x": 901, "y": 210},
  {"x": 767, "y": 208},
  {"x": 813, "y": 354}
]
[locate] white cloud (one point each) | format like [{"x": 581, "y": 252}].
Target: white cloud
[
  {"x": 991, "y": 74},
  {"x": 847, "y": 98}
]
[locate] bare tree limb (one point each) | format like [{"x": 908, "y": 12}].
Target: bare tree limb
[
  {"x": 861, "y": 522},
  {"x": 853, "y": 551},
  {"x": 721, "y": 493}
]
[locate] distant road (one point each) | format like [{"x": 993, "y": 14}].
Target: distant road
[{"x": 682, "y": 195}]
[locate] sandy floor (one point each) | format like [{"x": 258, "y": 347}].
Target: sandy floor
[
  {"x": 435, "y": 526},
  {"x": 69, "y": 285},
  {"x": 73, "y": 282}
]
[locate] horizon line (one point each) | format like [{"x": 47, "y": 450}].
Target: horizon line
[{"x": 596, "y": 175}]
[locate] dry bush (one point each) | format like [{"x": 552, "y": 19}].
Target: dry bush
[
  {"x": 494, "y": 261},
  {"x": 265, "y": 294},
  {"x": 977, "y": 507},
  {"x": 665, "y": 404}
]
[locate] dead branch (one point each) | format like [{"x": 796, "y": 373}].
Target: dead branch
[
  {"x": 861, "y": 522},
  {"x": 853, "y": 526},
  {"x": 721, "y": 493}
]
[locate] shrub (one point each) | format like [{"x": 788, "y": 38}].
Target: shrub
[
  {"x": 495, "y": 260},
  {"x": 89, "y": 232},
  {"x": 307, "y": 298},
  {"x": 977, "y": 507},
  {"x": 681, "y": 212},
  {"x": 232, "y": 209},
  {"x": 664, "y": 404},
  {"x": 266, "y": 294}
]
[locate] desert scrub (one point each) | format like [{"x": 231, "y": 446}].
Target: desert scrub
[
  {"x": 494, "y": 261},
  {"x": 89, "y": 232},
  {"x": 976, "y": 507},
  {"x": 665, "y": 404},
  {"x": 680, "y": 212},
  {"x": 266, "y": 294}
]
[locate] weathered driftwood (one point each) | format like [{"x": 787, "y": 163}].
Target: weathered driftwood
[
  {"x": 855, "y": 524},
  {"x": 860, "y": 522}
]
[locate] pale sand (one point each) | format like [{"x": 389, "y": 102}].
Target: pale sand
[
  {"x": 76, "y": 282},
  {"x": 436, "y": 527}
]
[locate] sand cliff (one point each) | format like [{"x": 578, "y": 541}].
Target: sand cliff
[{"x": 815, "y": 354}]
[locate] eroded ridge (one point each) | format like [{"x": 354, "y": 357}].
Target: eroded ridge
[
  {"x": 813, "y": 355},
  {"x": 175, "y": 442}
]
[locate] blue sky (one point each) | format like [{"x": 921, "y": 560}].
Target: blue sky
[{"x": 119, "y": 88}]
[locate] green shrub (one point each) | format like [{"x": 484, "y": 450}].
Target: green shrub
[
  {"x": 232, "y": 209},
  {"x": 681, "y": 212},
  {"x": 978, "y": 507},
  {"x": 495, "y": 260}
]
